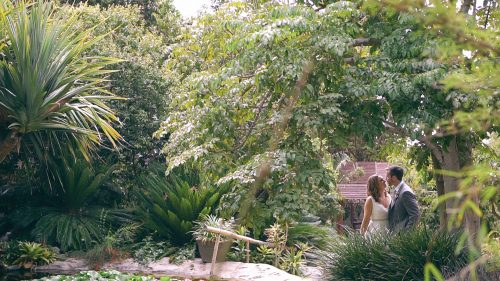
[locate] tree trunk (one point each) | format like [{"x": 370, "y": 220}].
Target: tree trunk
[
  {"x": 472, "y": 220},
  {"x": 443, "y": 218},
  {"x": 451, "y": 162},
  {"x": 456, "y": 156},
  {"x": 466, "y": 6},
  {"x": 8, "y": 144}
]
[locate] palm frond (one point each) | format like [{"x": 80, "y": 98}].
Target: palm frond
[{"x": 47, "y": 84}]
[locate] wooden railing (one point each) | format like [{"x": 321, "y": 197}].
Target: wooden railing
[{"x": 233, "y": 235}]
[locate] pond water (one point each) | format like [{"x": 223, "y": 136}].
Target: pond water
[{"x": 16, "y": 275}]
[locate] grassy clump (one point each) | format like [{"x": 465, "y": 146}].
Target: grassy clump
[{"x": 397, "y": 257}]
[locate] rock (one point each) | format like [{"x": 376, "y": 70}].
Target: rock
[
  {"x": 194, "y": 269},
  {"x": 127, "y": 265},
  {"x": 5, "y": 237},
  {"x": 69, "y": 266}
]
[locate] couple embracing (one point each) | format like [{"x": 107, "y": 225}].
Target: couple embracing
[{"x": 386, "y": 213}]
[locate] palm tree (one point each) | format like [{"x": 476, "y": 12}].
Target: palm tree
[{"x": 50, "y": 93}]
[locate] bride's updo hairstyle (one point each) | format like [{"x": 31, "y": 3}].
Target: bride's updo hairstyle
[{"x": 372, "y": 187}]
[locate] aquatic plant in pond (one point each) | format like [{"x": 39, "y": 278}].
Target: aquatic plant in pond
[{"x": 111, "y": 275}]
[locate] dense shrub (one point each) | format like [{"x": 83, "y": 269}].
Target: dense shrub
[
  {"x": 399, "y": 257},
  {"x": 67, "y": 215}
]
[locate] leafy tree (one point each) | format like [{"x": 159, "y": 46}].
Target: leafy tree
[
  {"x": 375, "y": 70},
  {"x": 235, "y": 72},
  {"x": 49, "y": 92},
  {"x": 416, "y": 69},
  {"x": 148, "y": 7},
  {"x": 139, "y": 78}
]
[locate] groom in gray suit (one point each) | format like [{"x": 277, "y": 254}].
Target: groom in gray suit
[{"x": 403, "y": 210}]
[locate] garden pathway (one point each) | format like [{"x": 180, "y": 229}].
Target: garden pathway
[{"x": 195, "y": 269}]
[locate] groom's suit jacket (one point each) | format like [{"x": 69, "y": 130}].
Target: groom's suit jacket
[{"x": 403, "y": 210}]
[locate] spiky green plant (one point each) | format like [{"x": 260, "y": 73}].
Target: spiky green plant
[
  {"x": 377, "y": 258},
  {"x": 171, "y": 206},
  {"x": 314, "y": 235},
  {"x": 200, "y": 231},
  {"x": 30, "y": 254},
  {"x": 50, "y": 92}
]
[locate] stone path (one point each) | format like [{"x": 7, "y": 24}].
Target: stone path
[{"x": 195, "y": 269}]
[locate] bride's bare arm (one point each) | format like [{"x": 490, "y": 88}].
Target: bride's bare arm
[{"x": 367, "y": 214}]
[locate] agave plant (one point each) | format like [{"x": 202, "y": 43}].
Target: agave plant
[
  {"x": 171, "y": 206},
  {"x": 49, "y": 91}
]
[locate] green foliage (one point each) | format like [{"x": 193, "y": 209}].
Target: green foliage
[
  {"x": 200, "y": 231},
  {"x": 148, "y": 251},
  {"x": 168, "y": 20},
  {"x": 238, "y": 250},
  {"x": 26, "y": 254},
  {"x": 264, "y": 254},
  {"x": 408, "y": 252},
  {"x": 288, "y": 258},
  {"x": 112, "y": 247},
  {"x": 330, "y": 208},
  {"x": 10, "y": 251},
  {"x": 50, "y": 92},
  {"x": 184, "y": 253},
  {"x": 234, "y": 72},
  {"x": 170, "y": 206},
  {"x": 316, "y": 236},
  {"x": 67, "y": 230},
  {"x": 139, "y": 78},
  {"x": 111, "y": 275},
  {"x": 277, "y": 236},
  {"x": 294, "y": 259},
  {"x": 67, "y": 215},
  {"x": 491, "y": 248}
]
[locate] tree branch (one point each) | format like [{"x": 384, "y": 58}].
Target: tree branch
[
  {"x": 466, "y": 6},
  {"x": 364, "y": 42},
  {"x": 425, "y": 139},
  {"x": 253, "y": 123}
]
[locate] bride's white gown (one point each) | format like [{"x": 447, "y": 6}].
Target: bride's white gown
[{"x": 379, "y": 220}]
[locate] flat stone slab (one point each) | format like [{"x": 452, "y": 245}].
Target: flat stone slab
[{"x": 193, "y": 269}]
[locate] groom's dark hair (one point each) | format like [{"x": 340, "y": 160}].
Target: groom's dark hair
[{"x": 397, "y": 171}]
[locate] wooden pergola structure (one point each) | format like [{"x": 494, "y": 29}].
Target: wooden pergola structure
[{"x": 352, "y": 187}]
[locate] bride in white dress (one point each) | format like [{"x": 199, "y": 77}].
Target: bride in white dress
[{"x": 375, "y": 218}]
